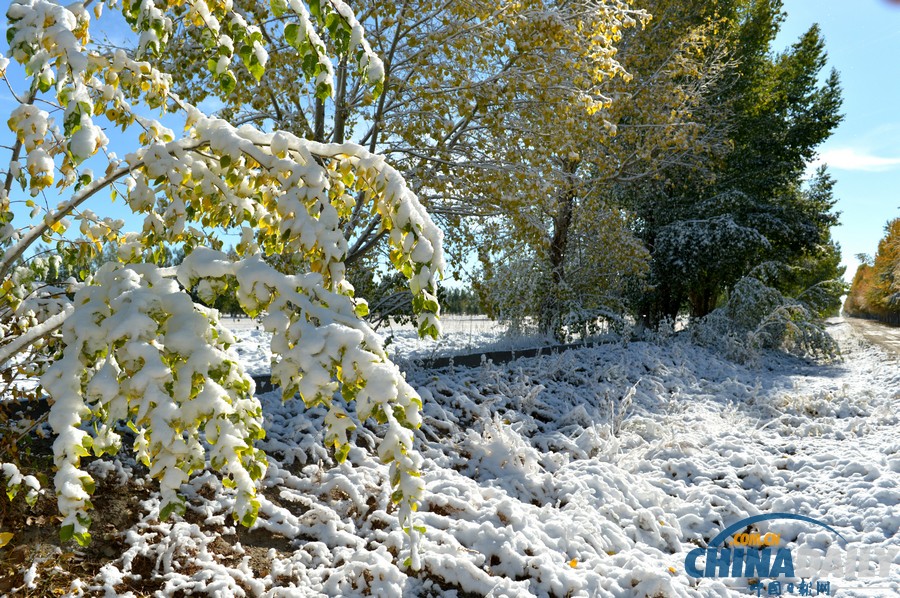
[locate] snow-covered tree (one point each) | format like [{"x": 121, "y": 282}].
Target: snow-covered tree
[
  {"x": 483, "y": 104},
  {"x": 752, "y": 203},
  {"x": 129, "y": 345},
  {"x": 601, "y": 261}
]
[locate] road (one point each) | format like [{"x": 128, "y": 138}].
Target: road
[{"x": 886, "y": 337}]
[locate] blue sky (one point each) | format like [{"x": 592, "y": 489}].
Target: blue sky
[{"x": 862, "y": 38}]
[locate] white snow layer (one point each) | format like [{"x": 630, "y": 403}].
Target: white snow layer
[
  {"x": 589, "y": 473},
  {"x": 461, "y": 335}
]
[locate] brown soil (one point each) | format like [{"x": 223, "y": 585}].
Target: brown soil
[{"x": 117, "y": 508}]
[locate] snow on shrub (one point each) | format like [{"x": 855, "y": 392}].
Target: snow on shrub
[
  {"x": 758, "y": 316},
  {"x": 129, "y": 344}
]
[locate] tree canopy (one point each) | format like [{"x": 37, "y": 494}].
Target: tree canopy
[
  {"x": 708, "y": 227},
  {"x": 875, "y": 291}
]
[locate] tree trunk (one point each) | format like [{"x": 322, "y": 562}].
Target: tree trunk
[
  {"x": 551, "y": 310},
  {"x": 340, "y": 103},
  {"x": 319, "y": 131},
  {"x": 703, "y": 301}
]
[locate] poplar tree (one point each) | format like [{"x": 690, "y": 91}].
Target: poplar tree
[{"x": 129, "y": 344}]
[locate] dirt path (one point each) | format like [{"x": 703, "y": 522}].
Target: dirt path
[{"x": 886, "y": 337}]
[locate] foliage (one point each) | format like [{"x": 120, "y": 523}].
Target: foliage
[
  {"x": 749, "y": 204},
  {"x": 857, "y": 302},
  {"x": 601, "y": 261},
  {"x": 129, "y": 344},
  {"x": 757, "y": 316},
  {"x": 487, "y": 112},
  {"x": 819, "y": 268},
  {"x": 655, "y": 119},
  {"x": 875, "y": 291},
  {"x": 15, "y": 481},
  {"x": 455, "y": 300},
  {"x": 885, "y": 295},
  {"x": 672, "y": 117}
]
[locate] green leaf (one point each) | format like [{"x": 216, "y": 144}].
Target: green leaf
[
  {"x": 246, "y": 54},
  {"x": 341, "y": 453},
  {"x": 227, "y": 82},
  {"x": 256, "y": 69},
  {"x": 378, "y": 415},
  {"x": 292, "y": 35},
  {"x": 72, "y": 123},
  {"x": 249, "y": 517},
  {"x": 256, "y": 470},
  {"x": 332, "y": 23},
  {"x": 45, "y": 83},
  {"x": 83, "y": 538},
  {"x": 309, "y": 64},
  {"x": 173, "y": 507},
  {"x": 279, "y": 7},
  {"x": 88, "y": 484},
  {"x": 426, "y": 329},
  {"x": 66, "y": 532}
]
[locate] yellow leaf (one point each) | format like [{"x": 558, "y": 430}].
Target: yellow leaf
[{"x": 5, "y": 537}]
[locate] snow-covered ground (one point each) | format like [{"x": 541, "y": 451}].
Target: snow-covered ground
[
  {"x": 589, "y": 473},
  {"x": 461, "y": 335}
]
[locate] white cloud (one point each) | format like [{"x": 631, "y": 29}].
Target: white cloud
[{"x": 848, "y": 158}]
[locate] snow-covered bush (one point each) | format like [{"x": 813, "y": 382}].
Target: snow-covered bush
[
  {"x": 129, "y": 344},
  {"x": 15, "y": 480},
  {"x": 604, "y": 259},
  {"x": 757, "y": 316}
]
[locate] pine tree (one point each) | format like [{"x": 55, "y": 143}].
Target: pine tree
[{"x": 707, "y": 228}]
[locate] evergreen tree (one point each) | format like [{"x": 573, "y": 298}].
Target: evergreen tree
[{"x": 706, "y": 229}]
